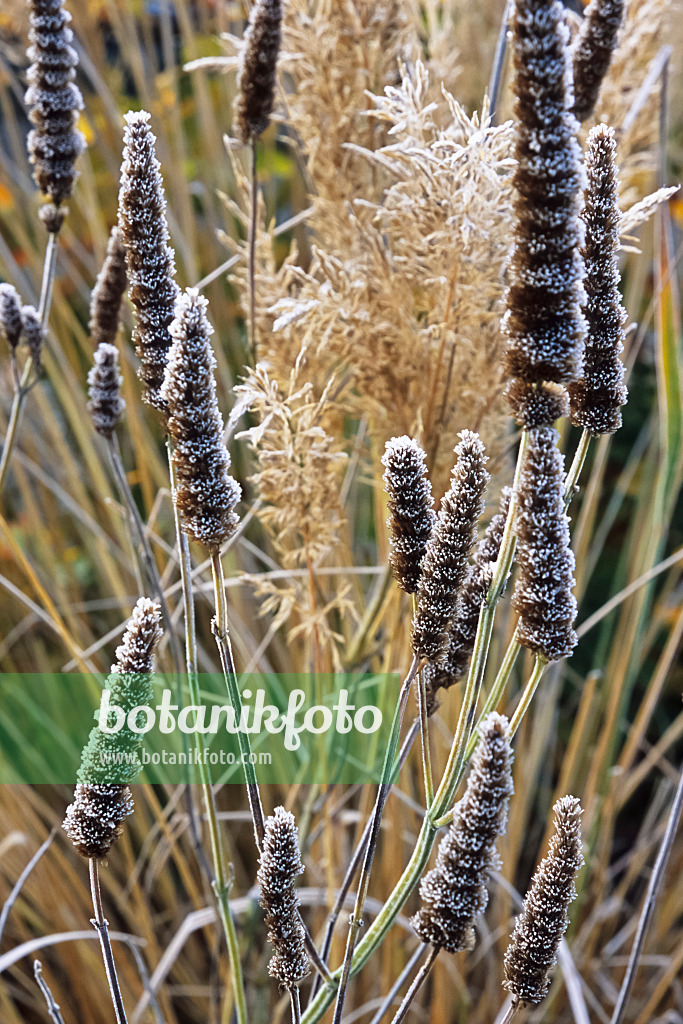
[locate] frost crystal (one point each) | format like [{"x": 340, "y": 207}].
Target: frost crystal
[{"x": 410, "y": 505}]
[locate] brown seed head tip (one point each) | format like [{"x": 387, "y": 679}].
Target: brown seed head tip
[
  {"x": 597, "y": 398},
  {"x": 143, "y": 632},
  {"x": 105, "y": 300},
  {"x": 93, "y": 820},
  {"x": 444, "y": 566},
  {"x": 411, "y": 517},
  {"x": 258, "y": 70},
  {"x": 11, "y": 324},
  {"x": 54, "y": 100},
  {"x": 537, "y": 405},
  {"x": 150, "y": 259},
  {"x": 544, "y": 919},
  {"x": 543, "y": 590},
  {"x": 206, "y": 494},
  {"x": 455, "y": 892},
  {"x": 593, "y": 50},
  {"x": 543, "y": 321},
  {"x": 106, "y": 405},
  {"x": 280, "y": 866},
  {"x": 34, "y": 335},
  {"x": 53, "y": 217}
]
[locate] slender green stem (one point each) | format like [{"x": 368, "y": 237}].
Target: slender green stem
[
  {"x": 572, "y": 478},
  {"x": 253, "y": 223},
  {"x": 25, "y": 384},
  {"x": 424, "y": 734},
  {"x": 416, "y": 985},
  {"x": 221, "y": 883},
  {"x": 356, "y": 919},
  {"x": 101, "y": 925},
  {"x": 529, "y": 690}
]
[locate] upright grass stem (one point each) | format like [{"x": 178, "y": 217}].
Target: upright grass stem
[
  {"x": 102, "y": 926},
  {"x": 417, "y": 984},
  {"x": 25, "y": 383},
  {"x": 253, "y": 224},
  {"x": 221, "y": 886}
]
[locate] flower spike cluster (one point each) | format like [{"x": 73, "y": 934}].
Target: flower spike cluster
[
  {"x": 256, "y": 79},
  {"x": 106, "y": 405},
  {"x": 596, "y": 399},
  {"x": 463, "y": 629},
  {"x": 54, "y": 99},
  {"x": 544, "y": 323},
  {"x": 410, "y": 504},
  {"x": 279, "y": 868},
  {"x": 539, "y": 929},
  {"x": 543, "y": 591},
  {"x": 593, "y": 51},
  {"x": 105, "y": 300},
  {"x": 93, "y": 820},
  {"x": 150, "y": 259},
  {"x": 10, "y": 315},
  {"x": 206, "y": 494},
  {"x": 455, "y": 892},
  {"x": 444, "y": 566}
]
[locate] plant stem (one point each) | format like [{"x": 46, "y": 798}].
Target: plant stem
[
  {"x": 52, "y": 1006},
  {"x": 355, "y": 861},
  {"x": 296, "y": 1005},
  {"x": 220, "y": 629},
  {"x": 252, "y": 252},
  {"x": 220, "y": 884},
  {"x": 572, "y": 478},
  {"x": 398, "y": 984},
  {"x": 416, "y": 985},
  {"x": 101, "y": 925},
  {"x": 356, "y": 919},
  {"x": 20, "y": 393},
  {"x": 424, "y": 735},
  {"x": 511, "y": 1012},
  {"x": 530, "y": 689},
  {"x": 650, "y": 897}
]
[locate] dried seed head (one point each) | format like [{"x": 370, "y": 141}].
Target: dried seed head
[
  {"x": 150, "y": 259},
  {"x": 11, "y": 324},
  {"x": 93, "y": 820},
  {"x": 54, "y": 99},
  {"x": 106, "y": 405},
  {"x": 593, "y": 51},
  {"x": 596, "y": 399},
  {"x": 537, "y": 405},
  {"x": 543, "y": 322},
  {"x": 463, "y": 628},
  {"x": 205, "y": 493},
  {"x": 410, "y": 506},
  {"x": 454, "y": 893},
  {"x": 105, "y": 300},
  {"x": 543, "y": 591},
  {"x": 34, "y": 335},
  {"x": 280, "y": 866},
  {"x": 445, "y": 562},
  {"x": 53, "y": 217},
  {"x": 539, "y": 928},
  {"x": 256, "y": 79}
]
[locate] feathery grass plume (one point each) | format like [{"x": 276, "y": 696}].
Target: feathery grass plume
[
  {"x": 34, "y": 335},
  {"x": 544, "y": 323},
  {"x": 280, "y": 865},
  {"x": 540, "y": 927},
  {"x": 543, "y": 590},
  {"x": 455, "y": 892},
  {"x": 592, "y": 52},
  {"x": 596, "y": 399},
  {"x": 150, "y": 259},
  {"x": 106, "y": 405},
  {"x": 410, "y": 504},
  {"x": 105, "y": 300},
  {"x": 463, "y": 628},
  {"x": 54, "y": 99},
  {"x": 93, "y": 820},
  {"x": 257, "y": 75},
  {"x": 535, "y": 405},
  {"x": 205, "y": 493},
  {"x": 445, "y": 562},
  {"x": 11, "y": 324}
]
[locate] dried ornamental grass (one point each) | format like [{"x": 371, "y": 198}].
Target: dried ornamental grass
[
  {"x": 279, "y": 868},
  {"x": 106, "y": 297},
  {"x": 411, "y": 517},
  {"x": 257, "y": 75},
  {"x": 106, "y": 406}
]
